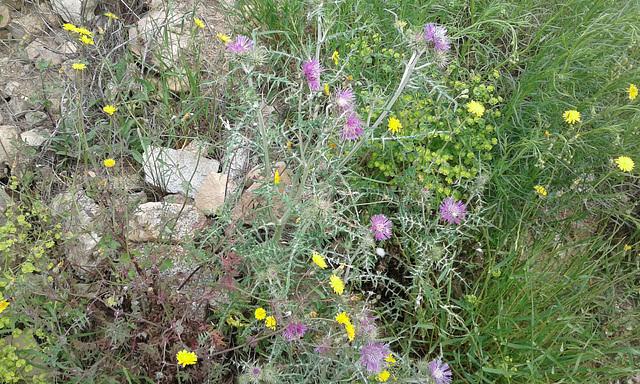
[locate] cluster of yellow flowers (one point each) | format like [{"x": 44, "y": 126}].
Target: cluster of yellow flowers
[
  {"x": 85, "y": 33},
  {"x": 343, "y": 318},
  {"x": 269, "y": 322}
]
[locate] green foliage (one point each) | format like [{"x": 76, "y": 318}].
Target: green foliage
[{"x": 441, "y": 144}]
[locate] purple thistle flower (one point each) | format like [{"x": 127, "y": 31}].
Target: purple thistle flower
[
  {"x": 241, "y": 44},
  {"x": 452, "y": 210},
  {"x": 438, "y": 36},
  {"x": 440, "y": 372},
  {"x": 368, "y": 325},
  {"x": 381, "y": 226},
  {"x": 344, "y": 99},
  {"x": 256, "y": 371},
  {"x": 295, "y": 331},
  {"x": 312, "y": 70},
  {"x": 352, "y": 129},
  {"x": 373, "y": 356}
]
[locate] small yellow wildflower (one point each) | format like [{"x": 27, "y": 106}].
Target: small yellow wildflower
[
  {"x": 199, "y": 22},
  {"x": 335, "y": 57},
  {"x": 260, "y": 314},
  {"x": 627, "y": 247},
  {"x": 276, "y": 179},
  {"x": 270, "y": 322},
  {"x": 61, "y": 70},
  {"x": 625, "y": 163},
  {"x": 351, "y": 333},
  {"x": 69, "y": 27},
  {"x": 541, "y": 190},
  {"x": 343, "y": 318},
  {"x": 394, "y": 125},
  {"x": 186, "y": 358},
  {"x": 79, "y": 66},
  {"x": 633, "y": 91},
  {"x": 110, "y": 109},
  {"x": 109, "y": 163},
  {"x": 86, "y": 40},
  {"x": 389, "y": 358},
  {"x": 111, "y": 15},
  {"x": 319, "y": 260},
  {"x": 571, "y": 116},
  {"x": 326, "y": 89},
  {"x": 3, "y": 305},
  {"x": 313, "y": 314},
  {"x": 100, "y": 30},
  {"x": 224, "y": 37},
  {"x": 83, "y": 31},
  {"x": 476, "y": 108},
  {"x": 547, "y": 134},
  {"x": 400, "y": 24},
  {"x": 337, "y": 284},
  {"x": 383, "y": 376}
]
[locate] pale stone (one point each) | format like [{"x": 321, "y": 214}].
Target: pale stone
[
  {"x": 213, "y": 191},
  {"x": 237, "y": 159},
  {"x": 176, "y": 222},
  {"x": 52, "y": 53},
  {"x": 5, "y": 17},
  {"x": 176, "y": 171},
  {"x": 34, "y": 137},
  {"x": 74, "y": 11},
  {"x": 35, "y": 118},
  {"x": 8, "y": 134}
]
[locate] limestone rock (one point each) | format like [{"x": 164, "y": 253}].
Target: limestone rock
[
  {"x": 8, "y": 134},
  {"x": 74, "y": 11},
  {"x": 5, "y": 16},
  {"x": 49, "y": 51},
  {"x": 237, "y": 159},
  {"x": 153, "y": 221},
  {"x": 35, "y": 137},
  {"x": 82, "y": 217},
  {"x": 35, "y": 118},
  {"x": 213, "y": 191},
  {"x": 176, "y": 171}
]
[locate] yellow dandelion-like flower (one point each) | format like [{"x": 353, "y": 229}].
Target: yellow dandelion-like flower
[
  {"x": 383, "y": 376},
  {"x": 394, "y": 125},
  {"x": 270, "y": 322},
  {"x": 351, "y": 333},
  {"x": 326, "y": 89},
  {"x": 571, "y": 116},
  {"x": 83, "y": 31},
  {"x": 337, "y": 284},
  {"x": 633, "y": 91},
  {"x": 3, "y": 305},
  {"x": 389, "y": 358},
  {"x": 319, "y": 260},
  {"x": 547, "y": 134},
  {"x": 79, "y": 66},
  {"x": 110, "y": 109},
  {"x": 400, "y": 24},
  {"x": 625, "y": 163},
  {"x": 627, "y": 247},
  {"x": 186, "y": 358},
  {"x": 335, "y": 57},
  {"x": 541, "y": 190},
  {"x": 86, "y": 40},
  {"x": 100, "y": 30},
  {"x": 224, "y": 37},
  {"x": 109, "y": 163},
  {"x": 199, "y": 22},
  {"x": 69, "y": 27},
  {"x": 343, "y": 318},
  {"x": 111, "y": 15},
  {"x": 476, "y": 108},
  {"x": 276, "y": 179},
  {"x": 260, "y": 314}
]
